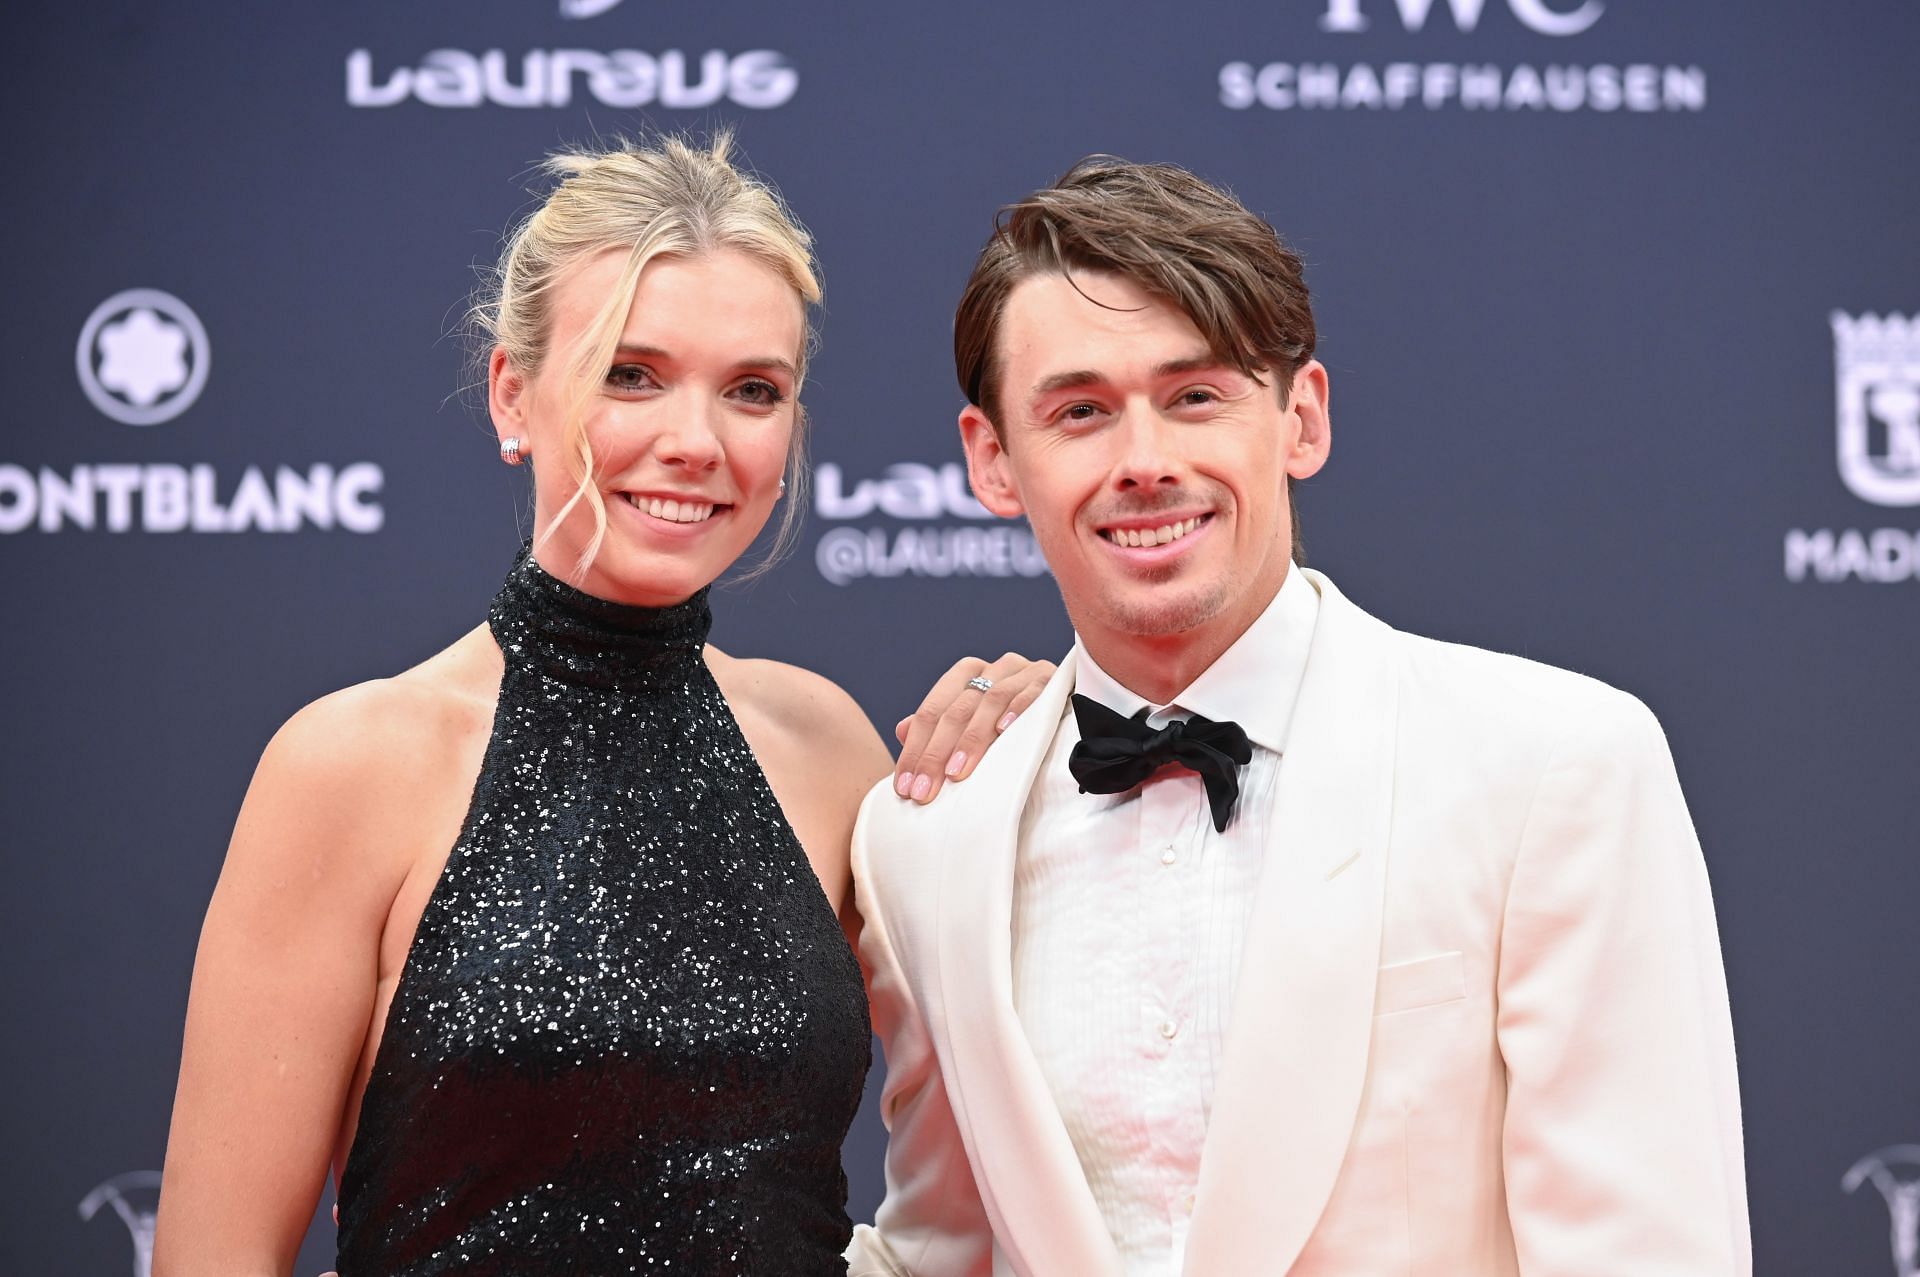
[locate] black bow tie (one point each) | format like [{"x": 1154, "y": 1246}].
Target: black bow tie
[{"x": 1115, "y": 753}]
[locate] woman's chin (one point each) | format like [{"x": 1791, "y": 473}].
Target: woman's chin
[{"x": 650, "y": 577}]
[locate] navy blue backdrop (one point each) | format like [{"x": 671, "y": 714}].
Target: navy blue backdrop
[{"x": 1612, "y": 292}]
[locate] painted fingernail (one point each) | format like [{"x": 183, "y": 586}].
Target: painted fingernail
[
  {"x": 1006, "y": 721},
  {"x": 957, "y": 763},
  {"x": 922, "y": 786},
  {"x": 902, "y": 783}
]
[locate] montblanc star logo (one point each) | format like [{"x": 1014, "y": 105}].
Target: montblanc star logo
[{"x": 142, "y": 357}]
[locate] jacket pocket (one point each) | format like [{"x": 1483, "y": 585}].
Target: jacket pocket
[{"x": 1423, "y": 982}]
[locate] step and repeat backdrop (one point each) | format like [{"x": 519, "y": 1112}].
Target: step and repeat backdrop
[{"x": 1620, "y": 299}]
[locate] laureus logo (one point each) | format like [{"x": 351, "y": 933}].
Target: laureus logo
[
  {"x": 1902, "y": 1193},
  {"x": 925, "y": 498},
  {"x": 135, "y": 1198}
]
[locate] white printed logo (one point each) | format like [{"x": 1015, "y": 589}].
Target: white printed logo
[
  {"x": 135, "y": 1198},
  {"x": 1902, "y": 1197},
  {"x": 1345, "y": 15},
  {"x": 1480, "y": 85},
  {"x": 908, "y": 491},
  {"x": 625, "y": 78},
  {"x": 142, "y": 357},
  {"x": 1876, "y": 365},
  {"x": 929, "y": 499},
  {"x": 585, "y": 8}
]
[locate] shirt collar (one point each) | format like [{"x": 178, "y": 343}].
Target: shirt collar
[{"x": 1253, "y": 683}]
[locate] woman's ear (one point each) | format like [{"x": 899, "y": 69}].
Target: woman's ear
[{"x": 506, "y": 398}]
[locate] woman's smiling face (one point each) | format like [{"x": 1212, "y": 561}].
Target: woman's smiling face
[{"x": 689, "y": 423}]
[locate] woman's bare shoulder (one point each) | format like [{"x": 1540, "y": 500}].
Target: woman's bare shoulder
[
  {"x": 360, "y": 755},
  {"x": 803, "y": 706}
]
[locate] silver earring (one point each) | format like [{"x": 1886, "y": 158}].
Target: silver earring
[
  {"x": 783, "y": 490},
  {"x": 510, "y": 450}
]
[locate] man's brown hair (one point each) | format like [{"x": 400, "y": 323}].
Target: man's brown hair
[{"x": 1169, "y": 232}]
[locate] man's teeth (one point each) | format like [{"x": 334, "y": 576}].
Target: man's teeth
[
  {"x": 672, "y": 511},
  {"x": 1154, "y": 536}
]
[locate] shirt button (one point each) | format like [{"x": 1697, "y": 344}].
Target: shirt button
[
  {"x": 1168, "y": 1029},
  {"x": 1167, "y": 856}
]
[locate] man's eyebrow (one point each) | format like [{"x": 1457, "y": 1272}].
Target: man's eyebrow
[
  {"x": 1203, "y": 361},
  {"x": 756, "y": 363},
  {"x": 1066, "y": 381}
]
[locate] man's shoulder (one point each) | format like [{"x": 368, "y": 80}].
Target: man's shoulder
[
  {"x": 1504, "y": 684},
  {"x": 900, "y": 846},
  {"x": 1496, "y": 697}
]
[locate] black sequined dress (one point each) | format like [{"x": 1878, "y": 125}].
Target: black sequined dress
[{"x": 630, "y": 1035}]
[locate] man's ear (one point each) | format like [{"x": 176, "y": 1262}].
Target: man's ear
[
  {"x": 1307, "y": 402},
  {"x": 987, "y": 467},
  {"x": 506, "y": 399}
]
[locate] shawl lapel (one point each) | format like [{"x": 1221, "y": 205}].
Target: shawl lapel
[
  {"x": 1295, "y": 1059},
  {"x": 1044, "y": 1216}
]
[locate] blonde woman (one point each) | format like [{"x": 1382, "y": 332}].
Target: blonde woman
[{"x": 540, "y": 943}]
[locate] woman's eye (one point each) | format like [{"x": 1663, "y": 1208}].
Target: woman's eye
[
  {"x": 630, "y": 376},
  {"x": 763, "y": 394}
]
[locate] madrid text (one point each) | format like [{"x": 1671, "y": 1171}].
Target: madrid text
[{"x": 1883, "y": 555}]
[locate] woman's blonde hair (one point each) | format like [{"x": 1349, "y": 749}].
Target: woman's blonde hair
[{"x": 673, "y": 199}]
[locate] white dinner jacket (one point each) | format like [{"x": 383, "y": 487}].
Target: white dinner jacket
[{"x": 1481, "y": 1026}]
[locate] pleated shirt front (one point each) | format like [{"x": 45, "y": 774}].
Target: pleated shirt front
[{"x": 1129, "y": 917}]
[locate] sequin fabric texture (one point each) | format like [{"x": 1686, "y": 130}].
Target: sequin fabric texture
[{"x": 630, "y": 1035}]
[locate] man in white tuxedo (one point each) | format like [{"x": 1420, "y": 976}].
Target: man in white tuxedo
[{"x": 1269, "y": 940}]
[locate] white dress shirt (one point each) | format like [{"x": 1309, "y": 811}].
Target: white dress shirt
[{"x": 1129, "y": 914}]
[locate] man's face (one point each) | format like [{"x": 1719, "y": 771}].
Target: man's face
[{"x": 1154, "y": 476}]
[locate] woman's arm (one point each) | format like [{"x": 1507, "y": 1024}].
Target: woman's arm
[{"x": 283, "y": 988}]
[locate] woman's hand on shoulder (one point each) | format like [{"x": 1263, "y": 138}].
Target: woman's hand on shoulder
[{"x": 960, "y": 719}]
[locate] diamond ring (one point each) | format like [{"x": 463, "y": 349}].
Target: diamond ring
[{"x": 980, "y": 683}]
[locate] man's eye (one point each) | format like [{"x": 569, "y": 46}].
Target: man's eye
[
  {"x": 761, "y": 393},
  {"x": 1079, "y": 412},
  {"x": 630, "y": 376},
  {"x": 1193, "y": 397}
]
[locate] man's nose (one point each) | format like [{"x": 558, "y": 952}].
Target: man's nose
[{"x": 1149, "y": 455}]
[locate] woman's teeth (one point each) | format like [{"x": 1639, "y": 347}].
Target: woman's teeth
[
  {"x": 1154, "y": 536},
  {"x": 672, "y": 511}
]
